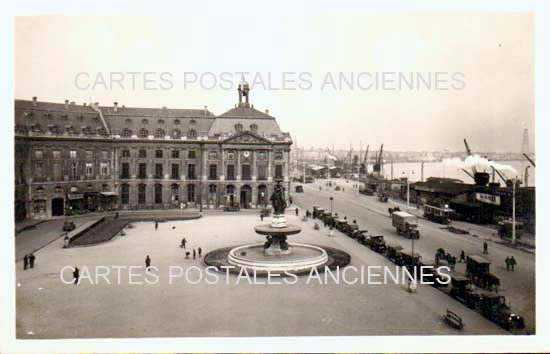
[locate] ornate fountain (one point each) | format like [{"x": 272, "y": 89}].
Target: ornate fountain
[{"x": 276, "y": 254}]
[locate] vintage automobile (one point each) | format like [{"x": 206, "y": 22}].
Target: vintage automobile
[
  {"x": 439, "y": 215},
  {"x": 409, "y": 260},
  {"x": 478, "y": 270},
  {"x": 299, "y": 189},
  {"x": 391, "y": 210},
  {"x": 505, "y": 228},
  {"x": 317, "y": 211},
  {"x": 383, "y": 197},
  {"x": 366, "y": 191},
  {"x": 341, "y": 224},
  {"x": 360, "y": 235},
  {"x": 405, "y": 224},
  {"x": 376, "y": 243},
  {"x": 309, "y": 179},
  {"x": 349, "y": 228},
  {"x": 337, "y": 188},
  {"x": 393, "y": 252},
  {"x": 69, "y": 226},
  {"x": 461, "y": 289},
  {"x": 494, "y": 308},
  {"x": 431, "y": 273}
]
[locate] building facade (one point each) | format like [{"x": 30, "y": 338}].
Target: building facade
[{"x": 73, "y": 158}]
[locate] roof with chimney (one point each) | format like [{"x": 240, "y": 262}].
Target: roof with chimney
[{"x": 35, "y": 117}]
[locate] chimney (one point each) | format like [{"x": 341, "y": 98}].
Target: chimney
[
  {"x": 84, "y": 104},
  {"x": 34, "y": 103},
  {"x": 66, "y": 104},
  {"x": 267, "y": 111},
  {"x": 115, "y": 108},
  {"x": 205, "y": 110},
  {"x": 163, "y": 107}
]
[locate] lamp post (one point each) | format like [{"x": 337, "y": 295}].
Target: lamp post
[
  {"x": 408, "y": 189},
  {"x": 331, "y": 199},
  {"x": 514, "y": 211}
]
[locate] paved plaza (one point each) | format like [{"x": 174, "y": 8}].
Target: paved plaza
[{"x": 48, "y": 308}]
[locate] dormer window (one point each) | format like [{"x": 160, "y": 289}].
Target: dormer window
[
  {"x": 69, "y": 129},
  {"x": 238, "y": 128},
  {"x": 254, "y": 128},
  {"x": 36, "y": 128},
  {"x": 160, "y": 133},
  {"x": 48, "y": 115},
  {"x": 128, "y": 121},
  {"x": 80, "y": 117},
  {"x": 193, "y": 122},
  {"x": 176, "y": 134},
  {"x": 192, "y": 133},
  {"x": 144, "y": 121},
  {"x": 161, "y": 121},
  {"x": 52, "y": 128},
  {"x": 177, "y": 122},
  {"x": 126, "y": 132},
  {"x": 143, "y": 133}
]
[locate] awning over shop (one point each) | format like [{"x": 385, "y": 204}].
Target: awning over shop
[
  {"x": 75, "y": 196},
  {"x": 109, "y": 194}
]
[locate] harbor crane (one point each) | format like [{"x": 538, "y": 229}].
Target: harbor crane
[
  {"x": 529, "y": 159},
  {"x": 377, "y": 167}
]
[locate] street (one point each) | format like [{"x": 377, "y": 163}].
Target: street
[{"x": 372, "y": 215}]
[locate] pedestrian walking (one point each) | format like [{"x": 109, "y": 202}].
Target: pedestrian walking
[
  {"x": 507, "y": 260},
  {"x": 462, "y": 257},
  {"x": 262, "y": 216},
  {"x": 147, "y": 262},
  {"x": 200, "y": 252},
  {"x": 116, "y": 215},
  {"x": 31, "y": 260},
  {"x": 76, "y": 275},
  {"x": 156, "y": 225},
  {"x": 183, "y": 242},
  {"x": 512, "y": 263},
  {"x": 485, "y": 248},
  {"x": 296, "y": 211},
  {"x": 194, "y": 254},
  {"x": 25, "y": 262}
]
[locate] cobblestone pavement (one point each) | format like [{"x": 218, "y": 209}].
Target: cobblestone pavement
[
  {"x": 47, "y": 308},
  {"x": 517, "y": 286}
]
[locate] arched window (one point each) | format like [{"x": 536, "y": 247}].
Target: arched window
[
  {"x": 161, "y": 121},
  {"x": 160, "y": 133},
  {"x": 176, "y": 134},
  {"x": 238, "y": 127},
  {"x": 128, "y": 120},
  {"x": 192, "y": 133},
  {"x": 193, "y": 122},
  {"x": 126, "y": 132},
  {"x": 254, "y": 128},
  {"x": 144, "y": 121},
  {"x": 143, "y": 133},
  {"x": 177, "y": 122}
]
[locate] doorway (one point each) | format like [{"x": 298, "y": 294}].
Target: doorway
[{"x": 58, "y": 207}]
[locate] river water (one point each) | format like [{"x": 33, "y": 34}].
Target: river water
[{"x": 439, "y": 169}]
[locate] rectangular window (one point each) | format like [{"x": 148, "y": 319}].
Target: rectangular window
[
  {"x": 142, "y": 172},
  {"x": 278, "y": 155},
  {"x": 262, "y": 173},
  {"x": 38, "y": 154},
  {"x": 56, "y": 154},
  {"x": 175, "y": 154},
  {"x": 158, "y": 154},
  {"x": 158, "y": 170},
  {"x": 141, "y": 194},
  {"x": 89, "y": 169},
  {"x": 57, "y": 171},
  {"x": 104, "y": 154},
  {"x": 192, "y": 154},
  {"x": 191, "y": 171},
  {"x": 246, "y": 172},
  {"x": 175, "y": 171},
  {"x": 125, "y": 170},
  {"x": 213, "y": 172},
  {"x": 158, "y": 193},
  {"x": 74, "y": 171},
  {"x": 278, "y": 171},
  {"x": 230, "y": 172},
  {"x": 142, "y": 153},
  {"x": 89, "y": 154},
  {"x": 104, "y": 168},
  {"x": 231, "y": 155},
  {"x": 125, "y": 194},
  {"x": 125, "y": 153},
  {"x": 72, "y": 154},
  {"x": 262, "y": 155},
  {"x": 213, "y": 155}
]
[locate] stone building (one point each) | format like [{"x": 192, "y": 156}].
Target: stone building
[{"x": 73, "y": 158}]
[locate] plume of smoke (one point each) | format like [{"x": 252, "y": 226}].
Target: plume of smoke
[{"x": 480, "y": 164}]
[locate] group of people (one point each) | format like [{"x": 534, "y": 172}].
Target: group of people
[
  {"x": 28, "y": 261},
  {"x": 183, "y": 245},
  {"x": 510, "y": 263}
]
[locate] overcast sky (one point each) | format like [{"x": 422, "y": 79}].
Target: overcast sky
[{"x": 490, "y": 55}]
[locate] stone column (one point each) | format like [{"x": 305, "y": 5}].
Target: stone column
[
  {"x": 238, "y": 166},
  {"x": 269, "y": 163}
]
